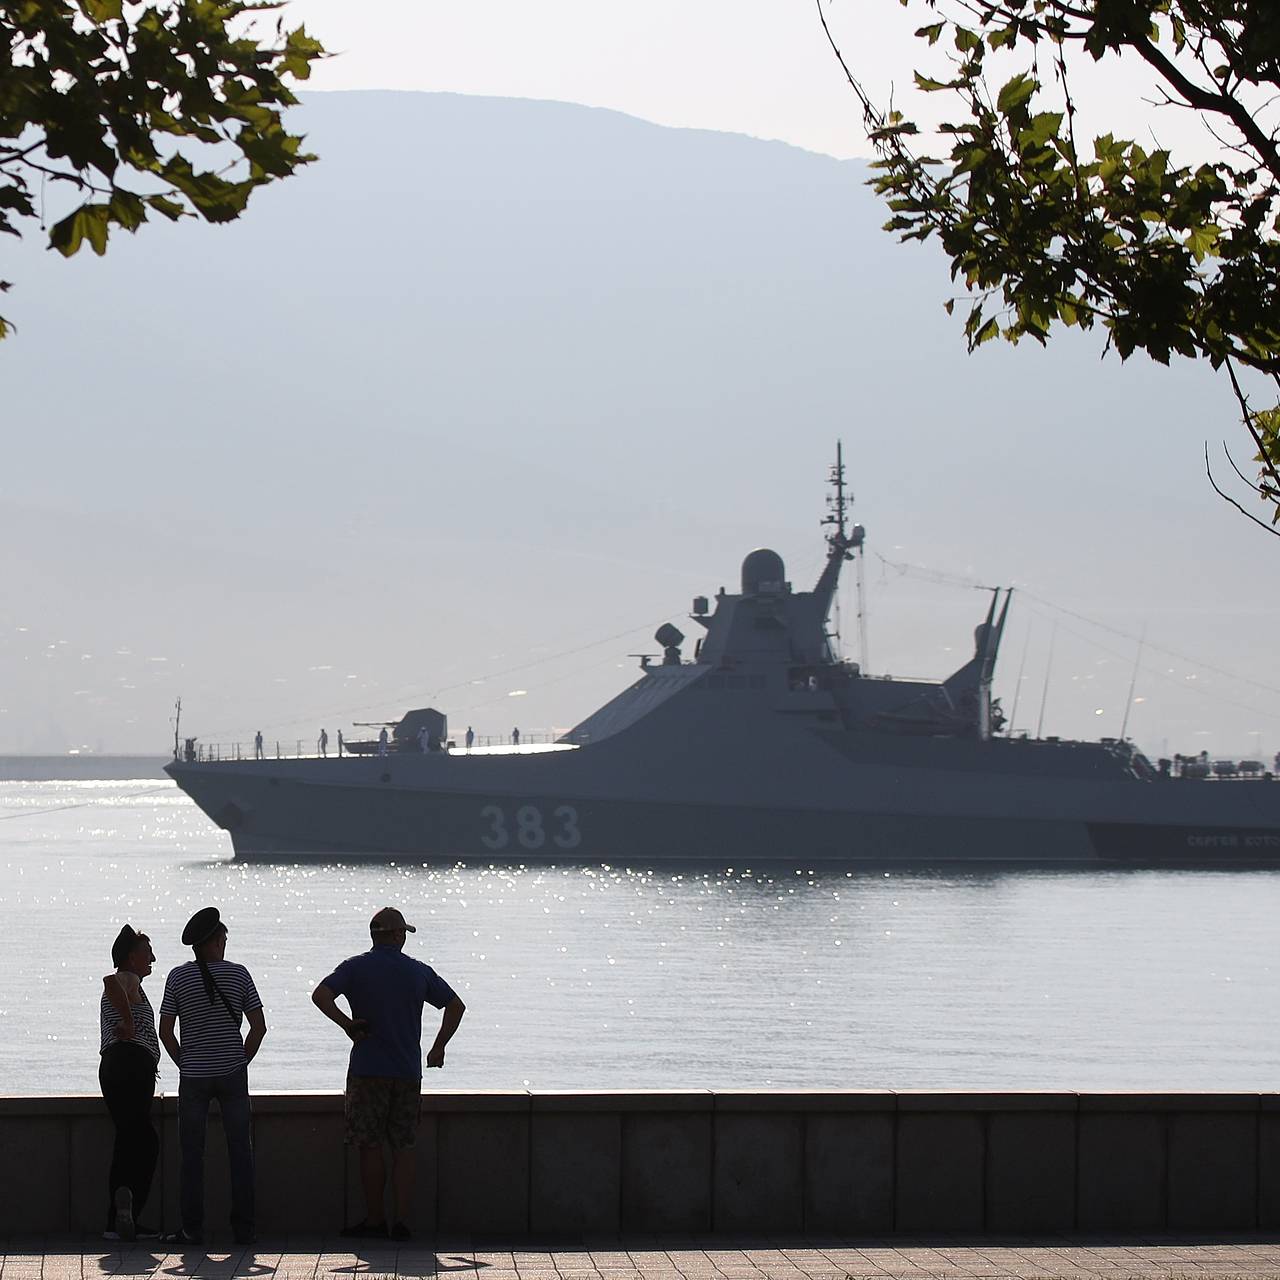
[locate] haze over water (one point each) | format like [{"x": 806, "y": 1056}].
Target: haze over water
[
  {"x": 562, "y": 373},
  {"x": 609, "y": 977}
]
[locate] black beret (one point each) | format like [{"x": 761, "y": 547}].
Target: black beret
[{"x": 201, "y": 927}]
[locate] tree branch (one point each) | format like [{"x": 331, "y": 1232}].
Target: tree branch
[
  {"x": 1258, "y": 489},
  {"x": 1263, "y": 456},
  {"x": 1218, "y": 103},
  {"x": 1227, "y": 498}
]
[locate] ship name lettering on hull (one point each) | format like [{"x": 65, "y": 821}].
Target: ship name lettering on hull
[{"x": 1261, "y": 841}]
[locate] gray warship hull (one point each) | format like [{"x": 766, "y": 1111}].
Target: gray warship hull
[
  {"x": 830, "y": 799},
  {"x": 766, "y": 746}
]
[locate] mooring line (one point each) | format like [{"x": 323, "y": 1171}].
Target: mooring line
[{"x": 80, "y": 804}]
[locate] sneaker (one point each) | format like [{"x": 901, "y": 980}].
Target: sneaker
[
  {"x": 125, "y": 1230},
  {"x": 179, "y": 1238},
  {"x": 365, "y": 1231},
  {"x": 401, "y": 1232},
  {"x": 146, "y": 1233},
  {"x": 245, "y": 1237}
]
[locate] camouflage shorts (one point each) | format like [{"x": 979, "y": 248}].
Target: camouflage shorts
[{"x": 382, "y": 1109}]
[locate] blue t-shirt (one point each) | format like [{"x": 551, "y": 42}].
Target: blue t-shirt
[{"x": 387, "y": 989}]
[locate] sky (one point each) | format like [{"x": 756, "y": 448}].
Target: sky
[
  {"x": 461, "y": 414},
  {"x": 759, "y": 67}
]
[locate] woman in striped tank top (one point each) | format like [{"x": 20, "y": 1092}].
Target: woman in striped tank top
[{"x": 127, "y": 1073}]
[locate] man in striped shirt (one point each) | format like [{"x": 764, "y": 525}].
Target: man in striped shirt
[{"x": 208, "y": 998}]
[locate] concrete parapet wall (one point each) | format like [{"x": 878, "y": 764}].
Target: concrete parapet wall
[{"x": 848, "y": 1163}]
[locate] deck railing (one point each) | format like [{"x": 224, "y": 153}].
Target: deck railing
[{"x": 303, "y": 749}]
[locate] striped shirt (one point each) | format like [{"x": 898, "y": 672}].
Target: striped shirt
[
  {"x": 144, "y": 1024},
  {"x": 210, "y": 1037}
]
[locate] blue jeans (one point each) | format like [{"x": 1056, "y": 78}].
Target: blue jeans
[{"x": 194, "y": 1096}]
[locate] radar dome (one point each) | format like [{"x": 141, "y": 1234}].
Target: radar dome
[
  {"x": 763, "y": 570},
  {"x": 669, "y": 637}
]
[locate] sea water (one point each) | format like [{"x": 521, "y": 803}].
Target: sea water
[{"x": 620, "y": 977}]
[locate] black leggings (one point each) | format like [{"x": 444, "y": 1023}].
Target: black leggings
[{"x": 128, "y": 1077}]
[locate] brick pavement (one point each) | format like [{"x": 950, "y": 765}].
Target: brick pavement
[{"x": 1079, "y": 1258}]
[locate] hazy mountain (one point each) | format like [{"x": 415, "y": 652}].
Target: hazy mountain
[{"x": 495, "y": 380}]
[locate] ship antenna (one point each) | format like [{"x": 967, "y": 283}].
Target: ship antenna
[
  {"x": 1017, "y": 689},
  {"x": 1048, "y": 671},
  {"x": 1133, "y": 683},
  {"x": 177, "y": 721},
  {"x": 860, "y": 586}
]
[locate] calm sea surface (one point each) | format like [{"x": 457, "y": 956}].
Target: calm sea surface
[{"x": 598, "y": 977}]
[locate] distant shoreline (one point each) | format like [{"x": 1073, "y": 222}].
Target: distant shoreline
[{"x": 82, "y": 768}]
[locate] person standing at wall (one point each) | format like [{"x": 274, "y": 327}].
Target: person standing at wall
[
  {"x": 386, "y": 990},
  {"x": 471, "y": 737},
  {"x": 127, "y": 1074},
  {"x": 323, "y": 743},
  {"x": 209, "y": 997}
]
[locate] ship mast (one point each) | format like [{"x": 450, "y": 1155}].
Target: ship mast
[
  {"x": 837, "y": 502},
  {"x": 843, "y": 543}
]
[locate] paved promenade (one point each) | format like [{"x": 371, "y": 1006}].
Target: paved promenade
[{"x": 318, "y": 1259}]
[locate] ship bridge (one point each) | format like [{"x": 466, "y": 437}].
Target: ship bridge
[{"x": 768, "y": 622}]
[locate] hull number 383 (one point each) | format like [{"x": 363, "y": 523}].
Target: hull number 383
[{"x": 528, "y": 827}]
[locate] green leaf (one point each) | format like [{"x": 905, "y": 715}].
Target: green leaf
[
  {"x": 1203, "y": 240},
  {"x": 1040, "y": 128},
  {"x": 928, "y": 84},
  {"x": 126, "y": 210},
  {"x": 988, "y": 331},
  {"x": 103, "y": 10},
  {"x": 300, "y": 51},
  {"x": 89, "y": 222},
  {"x": 171, "y": 209},
  {"x": 1015, "y": 93}
]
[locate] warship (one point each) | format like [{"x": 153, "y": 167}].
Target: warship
[{"x": 762, "y": 745}]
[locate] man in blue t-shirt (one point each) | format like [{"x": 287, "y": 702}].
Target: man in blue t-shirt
[{"x": 386, "y": 990}]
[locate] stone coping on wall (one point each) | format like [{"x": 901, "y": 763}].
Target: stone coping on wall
[
  {"x": 727, "y": 1100},
  {"x": 608, "y": 1100}
]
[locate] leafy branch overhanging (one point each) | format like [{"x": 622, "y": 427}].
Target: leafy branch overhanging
[
  {"x": 121, "y": 111},
  {"x": 1044, "y": 230}
]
